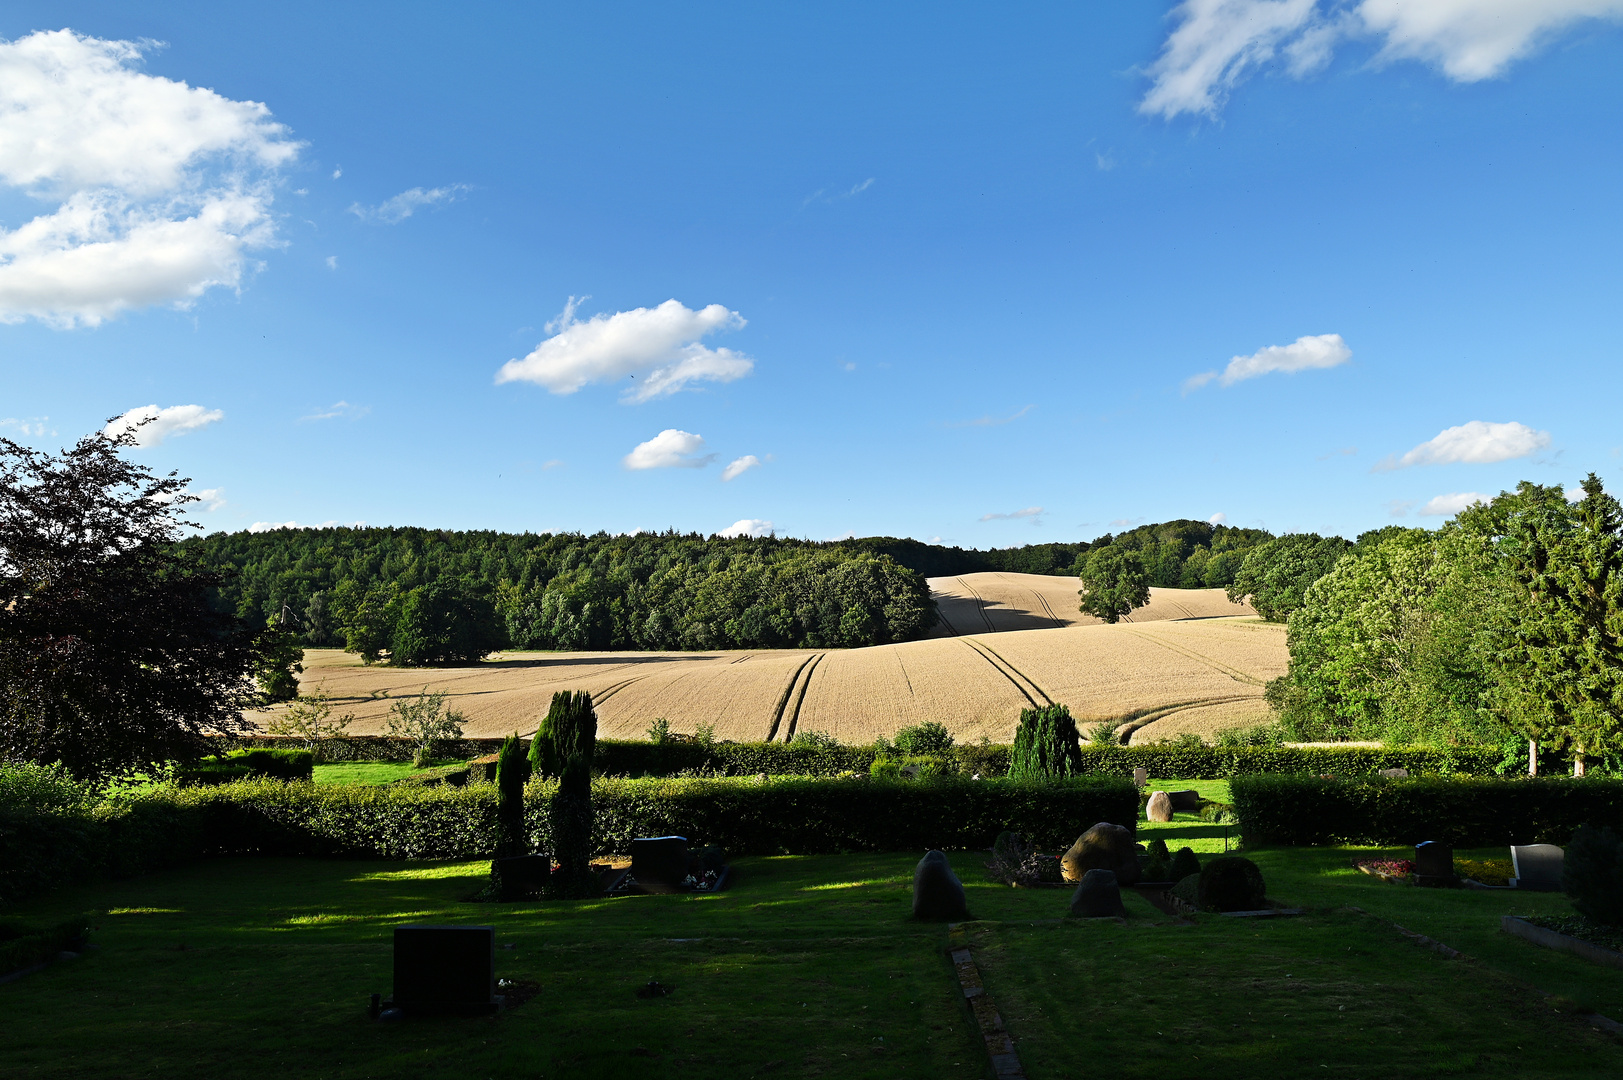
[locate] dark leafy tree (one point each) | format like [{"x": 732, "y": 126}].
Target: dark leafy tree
[
  {"x": 112, "y": 658},
  {"x": 1114, "y": 582},
  {"x": 280, "y": 665},
  {"x": 1276, "y": 574},
  {"x": 444, "y": 622}
]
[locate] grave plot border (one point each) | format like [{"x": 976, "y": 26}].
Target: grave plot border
[{"x": 1554, "y": 939}]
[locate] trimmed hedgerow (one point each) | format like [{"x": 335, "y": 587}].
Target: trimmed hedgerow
[
  {"x": 272, "y": 763},
  {"x": 635, "y": 758},
  {"x": 166, "y": 826},
  {"x": 1471, "y": 812}
]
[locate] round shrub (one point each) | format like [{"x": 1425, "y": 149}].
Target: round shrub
[
  {"x": 1184, "y": 863},
  {"x": 1158, "y": 849},
  {"x": 1188, "y": 890},
  {"x": 1231, "y": 883}
]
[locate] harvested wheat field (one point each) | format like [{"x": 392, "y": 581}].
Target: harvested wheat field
[
  {"x": 1157, "y": 679},
  {"x": 999, "y": 602}
]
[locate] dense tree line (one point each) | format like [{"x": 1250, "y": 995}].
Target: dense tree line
[
  {"x": 1505, "y": 624},
  {"x": 424, "y": 596},
  {"x": 1183, "y": 554}
]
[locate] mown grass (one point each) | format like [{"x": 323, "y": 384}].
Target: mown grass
[
  {"x": 807, "y": 966},
  {"x": 369, "y": 773}
]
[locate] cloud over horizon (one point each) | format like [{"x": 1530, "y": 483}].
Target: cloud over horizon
[
  {"x": 162, "y": 423},
  {"x": 747, "y": 527},
  {"x": 1031, "y": 512},
  {"x": 1305, "y": 353},
  {"x": 661, "y": 344},
  {"x": 1217, "y": 44},
  {"x": 160, "y": 189},
  {"x": 670, "y": 449},
  {"x": 1449, "y": 505},
  {"x": 1478, "y": 442}
]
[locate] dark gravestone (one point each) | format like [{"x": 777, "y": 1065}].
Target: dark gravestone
[
  {"x": 1185, "y": 802},
  {"x": 522, "y": 874},
  {"x": 1098, "y": 897},
  {"x": 1538, "y": 867},
  {"x": 445, "y": 969},
  {"x": 1433, "y": 863},
  {"x": 937, "y": 892},
  {"x": 659, "y": 863}
]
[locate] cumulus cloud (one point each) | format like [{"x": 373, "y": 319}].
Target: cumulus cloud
[
  {"x": 26, "y": 426},
  {"x": 152, "y": 425},
  {"x": 1216, "y": 44},
  {"x": 661, "y": 344},
  {"x": 1032, "y": 512},
  {"x": 1574, "y": 494},
  {"x": 332, "y": 262},
  {"x": 1449, "y": 505},
  {"x": 739, "y": 466},
  {"x": 211, "y": 498},
  {"x": 402, "y": 206},
  {"x": 747, "y": 527},
  {"x": 1218, "y": 518},
  {"x": 1305, "y": 353},
  {"x": 1479, "y": 442},
  {"x": 159, "y": 190},
  {"x": 670, "y": 449}
]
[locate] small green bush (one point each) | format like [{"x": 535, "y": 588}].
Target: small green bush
[
  {"x": 1157, "y": 849},
  {"x": 1188, "y": 890},
  {"x": 885, "y": 768},
  {"x": 1463, "y": 812},
  {"x": 1184, "y": 863},
  {"x": 1047, "y": 745},
  {"x": 926, "y": 738},
  {"x": 1592, "y": 875},
  {"x": 1231, "y": 883}
]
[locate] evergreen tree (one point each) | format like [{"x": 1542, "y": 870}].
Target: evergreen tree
[
  {"x": 1047, "y": 745},
  {"x": 569, "y": 813},
  {"x": 568, "y": 729},
  {"x": 512, "y": 770}
]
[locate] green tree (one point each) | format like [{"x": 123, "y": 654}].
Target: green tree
[
  {"x": 113, "y": 657},
  {"x": 1114, "y": 582},
  {"x": 568, "y": 730},
  {"x": 310, "y": 720},
  {"x": 512, "y": 770},
  {"x": 1276, "y": 574},
  {"x": 1047, "y": 745},
  {"x": 280, "y": 664},
  {"x": 570, "y": 818},
  {"x": 443, "y": 623},
  {"x": 426, "y": 721}
]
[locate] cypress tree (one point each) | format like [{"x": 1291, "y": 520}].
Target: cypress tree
[
  {"x": 570, "y": 815},
  {"x": 569, "y": 728},
  {"x": 511, "y": 772},
  {"x": 1047, "y": 745}
]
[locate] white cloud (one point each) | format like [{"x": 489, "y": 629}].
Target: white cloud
[
  {"x": 402, "y": 206},
  {"x": 1218, "y": 518},
  {"x": 1217, "y": 43},
  {"x": 739, "y": 466},
  {"x": 1479, "y": 442},
  {"x": 332, "y": 262},
  {"x": 1032, "y": 512},
  {"x": 338, "y": 410},
  {"x": 161, "y": 423},
  {"x": 26, "y": 426},
  {"x": 1449, "y": 505},
  {"x": 1575, "y": 494},
  {"x": 670, "y": 449},
  {"x": 747, "y": 527},
  {"x": 159, "y": 189},
  {"x": 211, "y": 498},
  {"x": 1305, "y": 353},
  {"x": 268, "y": 526},
  {"x": 661, "y": 343},
  {"x": 336, "y": 173}
]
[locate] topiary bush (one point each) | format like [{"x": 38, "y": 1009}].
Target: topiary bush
[
  {"x": 1592, "y": 875},
  {"x": 1231, "y": 883},
  {"x": 1184, "y": 863}
]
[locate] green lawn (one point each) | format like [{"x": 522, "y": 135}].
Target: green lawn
[
  {"x": 366, "y": 772},
  {"x": 807, "y": 966}
]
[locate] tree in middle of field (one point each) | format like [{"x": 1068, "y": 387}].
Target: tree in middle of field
[{"x": 1114, "y": 582}]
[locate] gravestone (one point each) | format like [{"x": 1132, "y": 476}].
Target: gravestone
[
  {"x": 1185, "y": 802},
  {"x": 1159, "y": 808},
  {"x": 937, "y": 892},
  {"x": 1141, "y": 777},
  {"x": 1538, "y": 867},
  {"x": 445, "y": 969},
  {"x": 659, "y": 863},
  {"x": 1394, "y": 774},
  {"x": 1103, "y": 847},
  {"x": 1433, "y": 863},
  {"x": 1098, "y": 897},
  {"x": 522, "y": 874}
]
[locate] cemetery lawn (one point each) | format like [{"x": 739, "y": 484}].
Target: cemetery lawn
[
  {"x": 807, "y": 966},
  {"x": 367, "y": 772}
]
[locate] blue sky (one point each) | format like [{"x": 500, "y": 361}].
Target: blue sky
[{"x": 993, "y": 274}]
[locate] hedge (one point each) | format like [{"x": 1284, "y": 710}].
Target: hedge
[
  {"x": 639, "y": 758},
  {"x": 22, "y": 948},
  {"x": 166, "y": 826},
  {"x": 276, "y": 764},
  {"x": 1464, "y": 812}
]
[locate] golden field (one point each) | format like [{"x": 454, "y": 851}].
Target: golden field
[
  {"x": 1158, "y": 677},
  {"x": 998, "y": 602}
]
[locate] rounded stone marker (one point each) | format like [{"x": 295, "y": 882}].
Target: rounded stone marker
[
  {"x": 1159, "y": 807},
  {"x": 1098, "y": 897}
]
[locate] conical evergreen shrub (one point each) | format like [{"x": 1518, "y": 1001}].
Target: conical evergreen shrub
[
  {"x": 1047, "y": 745},
  {"x": 569, "y": 728},
  {"x": 511, "y": 772}
]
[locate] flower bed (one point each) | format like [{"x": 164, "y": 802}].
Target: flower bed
[
  {"x": 1386, "y": 869},
  {"x": 1496, "y": 872}
]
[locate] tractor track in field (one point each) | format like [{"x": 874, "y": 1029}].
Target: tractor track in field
[{"x": 1028, "y": 689}]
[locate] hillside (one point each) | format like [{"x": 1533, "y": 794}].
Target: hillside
[
  {"x": 1160, "y": 677},
  {"x": 998, "y": 602}
]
